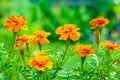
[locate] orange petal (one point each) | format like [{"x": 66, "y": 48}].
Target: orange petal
[{"x": 75, "y": 36}]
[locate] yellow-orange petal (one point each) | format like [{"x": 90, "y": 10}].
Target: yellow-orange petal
[
  {"x": 49, "y": 65},
  {"x": 43, "y": 41},
  {"x": 75, "y": 36},
  {"x": 58, "y": 30},
  {"x": 24, "y": 27},
  {"x": 64, "y": 36}
]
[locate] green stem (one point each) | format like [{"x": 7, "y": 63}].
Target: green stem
[
  {"x": 22, "y": 55},
  {"x": 58, "y": 67},
  {"x": 28, "y": 49},
  {"x": 14, "y": 41},
  {"x": 67, "y": 46},
  {"x": 100, "y": 30},
  {"x": 82, "y": 61},
  {"x": 97, "y": 37},
  {"x": 10, "y": 76},
  {"x": 108, "y": 52},
  {"x": 63, "y": 59},
  {"x": 41, "y": 77},
  {"x": 66, "y": 59},
  {"x": 40, "y": 46}
]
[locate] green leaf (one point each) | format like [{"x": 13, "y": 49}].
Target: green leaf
[
  {"x": 91, "y": 62},
  {"x": 21, "y": 77}
]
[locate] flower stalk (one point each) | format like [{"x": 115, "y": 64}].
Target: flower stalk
[
  {"x": 97, "y": 37},
  {"x": 63, "y": 59},
  {"x": 22, "y": 55},
  {"x": 100, "y": 29},
  {"x": 40, "y": 46},
  {"x": 28, "y": 49},
  {"x": 65, "y": 52},
  {"x": 10, "y": 75},
  {"x": 14, "y": 40},
  {"x": 82, "y": 62},
  {"x": 108, "y": 52},
  {"x": 58, "y": 67},
  {"x": 41, "y": 77}
]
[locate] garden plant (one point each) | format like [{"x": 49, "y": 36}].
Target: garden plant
[{"x": 98, "y": 61}]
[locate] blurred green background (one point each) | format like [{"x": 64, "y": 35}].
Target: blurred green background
[{"x": 49, "y": 14}]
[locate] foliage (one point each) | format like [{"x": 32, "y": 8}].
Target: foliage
[{"x": 102, "y": 64}]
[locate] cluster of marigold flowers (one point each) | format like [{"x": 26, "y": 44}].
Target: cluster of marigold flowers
[
  {"x": 100, "y": 23},
  {"x": 16, "y": 24},
  {"x": 67, "y": 32}
]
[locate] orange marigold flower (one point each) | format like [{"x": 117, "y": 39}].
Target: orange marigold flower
[
  {"x": 40, "y": 62},
  {"x": 99, "y": 22},
  {"x": 16, "y": 23},
  {"x": 22, "y": 40},
  {"x": 83, "y": 50},
  {"x": 40, "y": 37},
  {"x": 109, "y": 45},
  {"x": 68, "y": 31}
]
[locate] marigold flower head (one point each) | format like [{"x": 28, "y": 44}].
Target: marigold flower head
[
  {"x": 109, "y": 45},
  {"x": 84, "y": 50},
  {"x": 16, "y": 23},
  {"x": 40, "y": 37},
  {"x": 40, "y": 62},
  {"x": 99, "y": 22},
  {"x": 68, "y": 31},
  {"x": 22, "y": 40}
]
